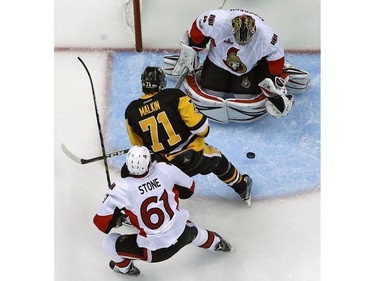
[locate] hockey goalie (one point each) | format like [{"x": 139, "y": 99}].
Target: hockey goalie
[{"x": 244, "y": 75}]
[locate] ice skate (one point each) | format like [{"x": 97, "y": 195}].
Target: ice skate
[
  {"x": 133, "y": 271},
  {"x": 246, "y": 194},
  {"x": 222, "y": 246}
]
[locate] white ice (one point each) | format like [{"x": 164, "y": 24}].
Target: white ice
[{"x": 276, "y": 239}]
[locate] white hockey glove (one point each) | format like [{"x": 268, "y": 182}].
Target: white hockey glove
[
  {"x": 188, "y": 57},
  {"x": 278, "y": 103}
]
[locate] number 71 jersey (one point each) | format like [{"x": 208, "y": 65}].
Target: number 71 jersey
[
  {"x": 152, "y": 204},
  {"x": 164, "y": 121}
]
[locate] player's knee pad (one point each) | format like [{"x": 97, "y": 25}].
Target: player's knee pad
[
  {"x": 109, "y": 244},
  {"x": 211, "y": 158},
  {"x": 223, "y": 167}
]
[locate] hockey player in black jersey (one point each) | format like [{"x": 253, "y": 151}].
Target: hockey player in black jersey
[{"x": 166, "y": 122}]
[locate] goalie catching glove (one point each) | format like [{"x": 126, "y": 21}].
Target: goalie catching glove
[{"x": 278, "y": 103}]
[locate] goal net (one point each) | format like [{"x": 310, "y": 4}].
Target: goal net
[{"x": 132, "y": 16}]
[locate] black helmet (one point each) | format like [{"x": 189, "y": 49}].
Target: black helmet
[{"x": 153, "y": 79}]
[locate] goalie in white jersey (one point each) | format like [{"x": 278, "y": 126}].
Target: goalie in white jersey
[
  {"x": 150, "y": 198},
  {"x": 245, "y": 58}
]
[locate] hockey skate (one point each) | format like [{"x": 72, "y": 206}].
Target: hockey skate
[
  {"x": 246, "y": 194},
  {"x": 222, "y": 246},
  {"x": 133, "y": 271}
]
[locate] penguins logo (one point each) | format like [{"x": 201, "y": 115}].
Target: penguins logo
[{"x": 234, "y": 62}]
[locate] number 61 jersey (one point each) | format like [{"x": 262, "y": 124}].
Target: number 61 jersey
[
  {"x": 152, "y": 204},
  {"x": 165, "y": 121}
]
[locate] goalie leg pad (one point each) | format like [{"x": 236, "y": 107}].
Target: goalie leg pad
[
  {"x": 299, "y": 80},
  {"x": 213, "y": 107},
  {"x": 246, "y": 110},
  {"x": 169, "y": 62}
]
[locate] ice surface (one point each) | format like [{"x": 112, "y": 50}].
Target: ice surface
[
  {"x": 287, "y": 149},
  {"x": 275, "y": 239}
]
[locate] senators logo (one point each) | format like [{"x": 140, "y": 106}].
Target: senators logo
[
  {"x": 245, "y": 82},
  {"x": 234, "y": 62}
]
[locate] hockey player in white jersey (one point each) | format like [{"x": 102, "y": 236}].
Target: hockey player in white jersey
[
  {"x": 245, "y": 59},
  {"x": 150, "y": 198}
]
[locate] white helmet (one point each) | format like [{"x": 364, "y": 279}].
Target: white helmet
[{"x": 138, "y": 160}]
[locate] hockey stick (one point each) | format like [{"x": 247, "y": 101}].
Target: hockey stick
[
  {"x": 98, "y": 123},
  {"x": 83, "y": 161},
  {"x": 222, "y": 4},
  {"x": 90, "y": 160}
]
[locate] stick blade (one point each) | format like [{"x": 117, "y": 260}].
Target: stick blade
[{"x": 70, "y": 154}]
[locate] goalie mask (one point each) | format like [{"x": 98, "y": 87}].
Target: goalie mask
[
  {"x": 138, "y": 160},
  {"x": 153, "y": 79},
  {"x": 243, "y": 28}
]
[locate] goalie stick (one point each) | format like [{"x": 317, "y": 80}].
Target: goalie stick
[
  {"x": 222, "y": 4},
  {"x": 186, "y": 71}
]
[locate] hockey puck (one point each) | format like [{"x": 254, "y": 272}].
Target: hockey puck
[{"x": 250, "y": 155}]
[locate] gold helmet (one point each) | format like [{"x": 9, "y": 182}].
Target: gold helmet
[{"x": 243, "y": 28}]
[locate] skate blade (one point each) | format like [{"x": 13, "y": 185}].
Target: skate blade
[{"x": 248, "y": 201}]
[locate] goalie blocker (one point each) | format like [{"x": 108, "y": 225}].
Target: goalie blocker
[{"x": 273, "y": 100}]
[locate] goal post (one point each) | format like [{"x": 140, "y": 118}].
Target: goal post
[
  {"x": 137, "y": 25},
  {"x": 132, "y": 12},
  {"x": 133, "y": 21}
]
